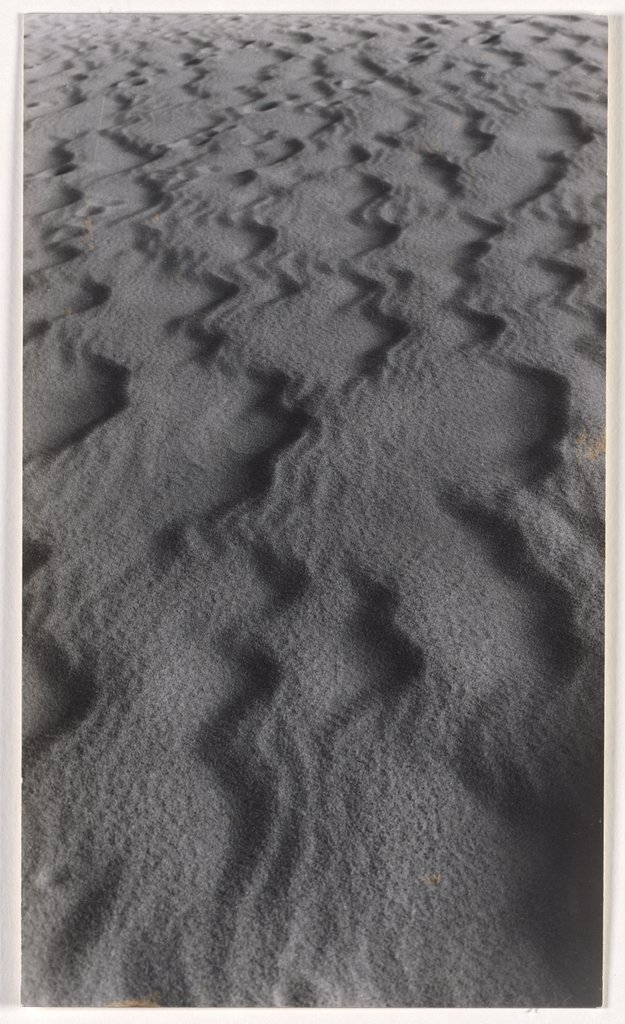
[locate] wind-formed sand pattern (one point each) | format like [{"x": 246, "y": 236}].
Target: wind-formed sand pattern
[{"x": 313, "y": 510}]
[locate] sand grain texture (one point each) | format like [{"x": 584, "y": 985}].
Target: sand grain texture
[{"x": 313, "y": 492}]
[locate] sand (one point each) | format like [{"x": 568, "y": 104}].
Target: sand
[{"x": 313, "y": 510}]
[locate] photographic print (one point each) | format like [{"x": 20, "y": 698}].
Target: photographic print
[{"x": 314, "y": 437}]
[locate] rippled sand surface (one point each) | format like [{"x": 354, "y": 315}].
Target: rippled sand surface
[{"x": 313, "y": 438}]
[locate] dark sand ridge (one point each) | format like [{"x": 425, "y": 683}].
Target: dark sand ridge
[{"x": 314, "y": 371}]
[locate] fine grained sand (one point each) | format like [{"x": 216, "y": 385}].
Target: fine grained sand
[{"x": 314, "y": 401}]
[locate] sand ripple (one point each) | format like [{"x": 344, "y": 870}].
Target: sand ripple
[{"x": 314, "y": 352}]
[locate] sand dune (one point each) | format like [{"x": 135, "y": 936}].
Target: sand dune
[{"x": 313, "y": 490}]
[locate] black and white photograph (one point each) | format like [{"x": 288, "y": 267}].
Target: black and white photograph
[{"x": 314, "y": 437}]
